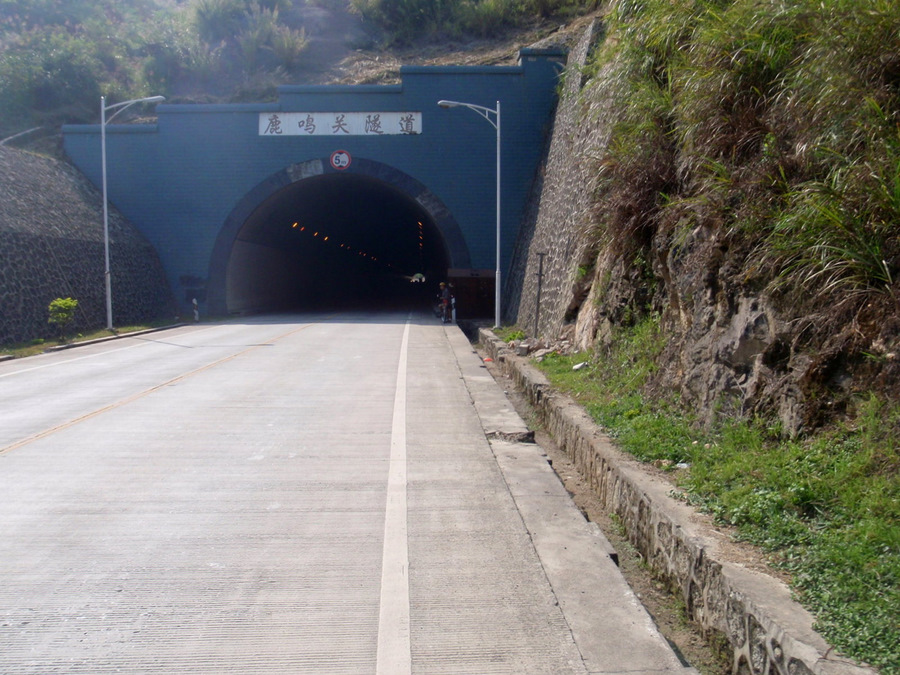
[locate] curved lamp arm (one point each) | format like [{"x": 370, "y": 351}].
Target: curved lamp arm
[
  {"x": 103, "y": 122},
  {"x": 125, "y": 104},
  {"x": 480, "y": 109}
]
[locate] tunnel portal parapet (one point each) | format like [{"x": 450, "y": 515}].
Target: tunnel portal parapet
[{"x": 184, "y": 180}]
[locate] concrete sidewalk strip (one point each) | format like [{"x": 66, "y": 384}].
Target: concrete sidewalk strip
[
  {"x": 480, "y": 601},
  {"x": 611, "y": 628},
  {"x": 532, "y": 482},
  {"x": 498, "y": 418}
]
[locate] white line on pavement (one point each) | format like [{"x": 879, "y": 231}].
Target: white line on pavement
[
  {"x": 62, "y": 363},
  {"x": 394, "y": 654},
  {"x": 118, "y": 404},
  {"x": 141, "y": 343}
]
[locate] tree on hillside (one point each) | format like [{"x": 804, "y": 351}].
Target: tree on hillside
[
  {"x": 58, "y": 56},
  {"x": 251, "y": 35}
]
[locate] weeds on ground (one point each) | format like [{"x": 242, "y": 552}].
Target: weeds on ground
[
  {"x": 509, "y": 333},
  {"x": 827, "y": 508}
]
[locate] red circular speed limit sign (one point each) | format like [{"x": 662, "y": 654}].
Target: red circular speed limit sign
[{"x": 340, "y": 159}]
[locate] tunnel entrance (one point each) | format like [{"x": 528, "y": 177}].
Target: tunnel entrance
[{"x": 336, "y": 241}]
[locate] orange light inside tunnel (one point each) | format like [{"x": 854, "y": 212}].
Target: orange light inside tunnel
[{"x": 364, "y": 254}]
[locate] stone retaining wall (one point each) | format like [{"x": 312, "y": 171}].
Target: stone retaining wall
[
  {"x": 769, "y": 633},
  {"x": 52, "y": 246},
  {"x": 553, "y": 236}
]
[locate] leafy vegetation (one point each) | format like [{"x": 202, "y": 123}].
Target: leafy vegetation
[
  {"x": 62, "y": 313},
  {"x": 773, "y": 123},
  {"x": 773, "y": 127},
  {"x": 58, "y": 56},
  {"x": 509, "y": 334},
  {"x": 825, "y": 507}
]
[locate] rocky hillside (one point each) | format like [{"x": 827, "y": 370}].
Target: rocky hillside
[
  {"x": 699, "y": 183},
  {"x": 717, "y": 227}
]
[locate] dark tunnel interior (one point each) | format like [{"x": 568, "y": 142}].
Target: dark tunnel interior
[{"x": 336, "y": 241}]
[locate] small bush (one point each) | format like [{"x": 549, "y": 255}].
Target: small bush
[{"x": 62, "y": 313}]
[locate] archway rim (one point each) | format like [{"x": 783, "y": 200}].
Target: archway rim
[{"x": 407, "y": 185}]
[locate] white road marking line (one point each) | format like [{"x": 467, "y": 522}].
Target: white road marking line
[
  {"x": 141, "y": 343},
  {"x": 394, "y": 653},
  {"x": 140, "y": 394},
  {"x": 67, "y": 361}
]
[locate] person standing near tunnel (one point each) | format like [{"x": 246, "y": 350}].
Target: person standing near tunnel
[{"x": 445, "y": 302}]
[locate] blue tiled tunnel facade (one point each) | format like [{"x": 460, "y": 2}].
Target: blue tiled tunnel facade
[{"x": 189, "y": 181}]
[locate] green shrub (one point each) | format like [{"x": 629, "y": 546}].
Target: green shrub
[
  {"x": 486, "y": 18},
  {"x": 407, "y": 20},
  {"x": 287, "y": 45},
  {"x": 514, "y": 335},
  {"x": 62, "y": 313},
  {"x": 218, "y": 20}
]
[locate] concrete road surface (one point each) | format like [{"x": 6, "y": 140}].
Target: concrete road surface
[{"x": 306, "y": 494}]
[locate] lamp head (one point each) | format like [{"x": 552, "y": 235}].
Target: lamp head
[{"x": 447, "y": 104}]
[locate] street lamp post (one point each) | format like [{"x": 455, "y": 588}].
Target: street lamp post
[
  {"x": 486, "y": 113},
  {"x": 103, "y": 122}
]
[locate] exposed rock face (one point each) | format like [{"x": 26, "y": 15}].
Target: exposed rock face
[
  {"x": 736, "y": 345},
  {"x": 733, "y": 354},
  {"x": 51, "y": 246}
]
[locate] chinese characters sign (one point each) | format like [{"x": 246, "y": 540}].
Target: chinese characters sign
[{"x": 340, "y": 124}]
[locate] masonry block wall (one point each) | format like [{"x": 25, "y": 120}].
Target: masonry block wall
[
  {"x": 51, "y": 246},
  {"x": 560, "y": 214}
]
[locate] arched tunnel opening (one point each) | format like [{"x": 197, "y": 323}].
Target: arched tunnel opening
[{"x": 336, "y": 241}]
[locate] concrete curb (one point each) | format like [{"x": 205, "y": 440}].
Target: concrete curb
[
  {"x": 611, "y": 628},
  {"x": 768, "y": 632}
]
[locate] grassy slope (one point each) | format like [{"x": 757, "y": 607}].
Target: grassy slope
[
  {"x": 775, "y": 125},
  {"x": 825, "y": 507}
]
